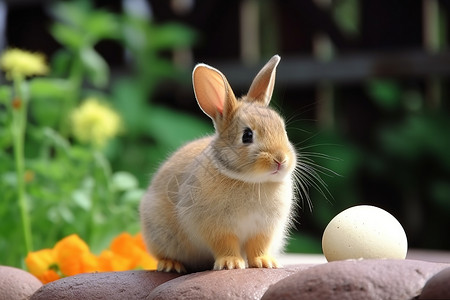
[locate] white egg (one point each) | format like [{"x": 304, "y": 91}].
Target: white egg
[{"x": 364, "y": 231}]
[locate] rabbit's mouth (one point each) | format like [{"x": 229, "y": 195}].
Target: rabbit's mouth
[
  {"x": 279, "y": 172},
  {"x": 279, "y": 166}
]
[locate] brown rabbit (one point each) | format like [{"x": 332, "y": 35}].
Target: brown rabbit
[{"x": 226, "y": 197}]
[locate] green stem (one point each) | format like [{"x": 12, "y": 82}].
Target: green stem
[
  {"x": 101, "y": 173},
  {"x": 18, "y": 133}
]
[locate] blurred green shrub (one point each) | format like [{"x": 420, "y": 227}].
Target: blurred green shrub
[
  {"x": 414, "y": 154},
  {"x": 408, "y": 164}
]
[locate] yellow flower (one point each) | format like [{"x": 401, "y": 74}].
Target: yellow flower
[
  {"x": 17, "y": 62},
  {"x": 95, "y": 123}
]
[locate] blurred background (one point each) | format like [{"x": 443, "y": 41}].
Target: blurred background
[{"x": 363, "y": 86}]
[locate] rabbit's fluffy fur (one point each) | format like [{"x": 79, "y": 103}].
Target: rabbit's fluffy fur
[{"x": 224, "y": 201}]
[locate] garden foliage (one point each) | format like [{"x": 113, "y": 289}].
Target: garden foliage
[{"x": 83, "y": 164}]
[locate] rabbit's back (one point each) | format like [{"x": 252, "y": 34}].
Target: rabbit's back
[{"x": 159, "y": 209}]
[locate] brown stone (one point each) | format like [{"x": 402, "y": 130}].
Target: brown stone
[
  {"x": 107, "y": 286},
  {"x": 357, "y": 279},
  {"x": 225, "y": 284},
  {"x": 17, "y": 284},
  {"x": 438, "y": 286}
]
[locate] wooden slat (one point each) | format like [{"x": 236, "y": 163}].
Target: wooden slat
[{"x": 344, "y": 68}]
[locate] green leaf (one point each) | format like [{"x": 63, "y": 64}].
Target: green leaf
[
  {"x": 96, "y": 66},
  {"x": 68, "y": 36},
  {"x": 129, "y": 99},
  {"x": 123, "y": 181},
  {"x": 73, "y": 13},
  {"x": 133, "y": 196},
  {"x": 159, "y": 68},
  {"x": 5, "y": 94},
  {"x": 170, "y": 35},
  {"x": 66, "y": 214},
  {"x": 173, "y": 134},
  {"x": 95, "y": 24},
  {"x": 50, "y": 88},
  {"x": 346, "y": 14},
  {"x": 9, "y": 179},
  {"x": 386, "y": 93},
  {"x": 82, "y": 199},
  {"x": 101, "y": 24},
  {"x": 47, "y": 111},
  {"x": 60, "y": 63},
  {"x": 5, "y": 136},
  {"x": 135, "y": 33},
  {"x": 56, "y": 139}
]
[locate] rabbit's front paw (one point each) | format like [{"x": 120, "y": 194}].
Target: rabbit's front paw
[
  {"x": 169, "y": 265},
  {"x": 263, "y": 261},
  {"x": 229, "y": 262}
]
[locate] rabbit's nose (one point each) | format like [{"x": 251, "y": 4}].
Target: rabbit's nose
[
  {"x": 280, "y": 158},
  {"x": 278, "y": 166}
]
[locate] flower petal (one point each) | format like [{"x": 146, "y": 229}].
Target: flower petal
[{"x": 39, "y": 262}]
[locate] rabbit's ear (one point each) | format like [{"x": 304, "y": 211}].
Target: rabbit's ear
[
  {"x": 262, "y": 86},
  {"x": 212, "y": 91}
]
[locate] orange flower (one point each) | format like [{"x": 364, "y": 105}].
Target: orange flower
[
  {"x": 139, "y": 240},
  {"x": 39, "y": 264},
  {"x": 134, "y": 248},
  {"x": 110, "y": 261},
  {"x": 147, "y": 262},
  {"x": 72, "y": 256},
  {"x": 49, "y": 276}
]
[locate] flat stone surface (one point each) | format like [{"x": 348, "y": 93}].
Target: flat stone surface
[
  {"x": 16, "y": 284},
  {"x": 108, "y": 286},
  {"x": 300, "y": 258},
  {"x": 357, "y": 279},
  {"x": 414, "y": 254},
  {"x": 438, "y": 286},
  {"x": 225, "y": 284},
  {"x": 429, "y": 255}
]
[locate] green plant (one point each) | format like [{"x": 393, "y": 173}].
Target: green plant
[
  {"x": 65, "y": 182},
  {"x": 18, "y": 65},
  {"x": 413, "y": 156},
  {"x": 152, "y": 131}
]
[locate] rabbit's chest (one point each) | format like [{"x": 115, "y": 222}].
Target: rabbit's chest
[
  {"x": 251, "y": 224},
  {"x": 262, "y": 213}
]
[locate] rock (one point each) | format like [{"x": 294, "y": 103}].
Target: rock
[
  {"x": 438, "y": 286},
  {"x": 17, "y": 284},
  {"x": 107, "y": 286},
  {"x": 225, "y": 284},
  {"x": 357, "y": 279}
]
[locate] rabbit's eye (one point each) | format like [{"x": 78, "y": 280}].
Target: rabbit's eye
[{"x": 247, "y": 137}]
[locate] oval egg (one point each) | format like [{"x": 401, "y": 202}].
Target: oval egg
[{"x": 365, "y": 232}]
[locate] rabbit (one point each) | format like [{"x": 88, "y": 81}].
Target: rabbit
[{"x": 224, "y": 201}]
